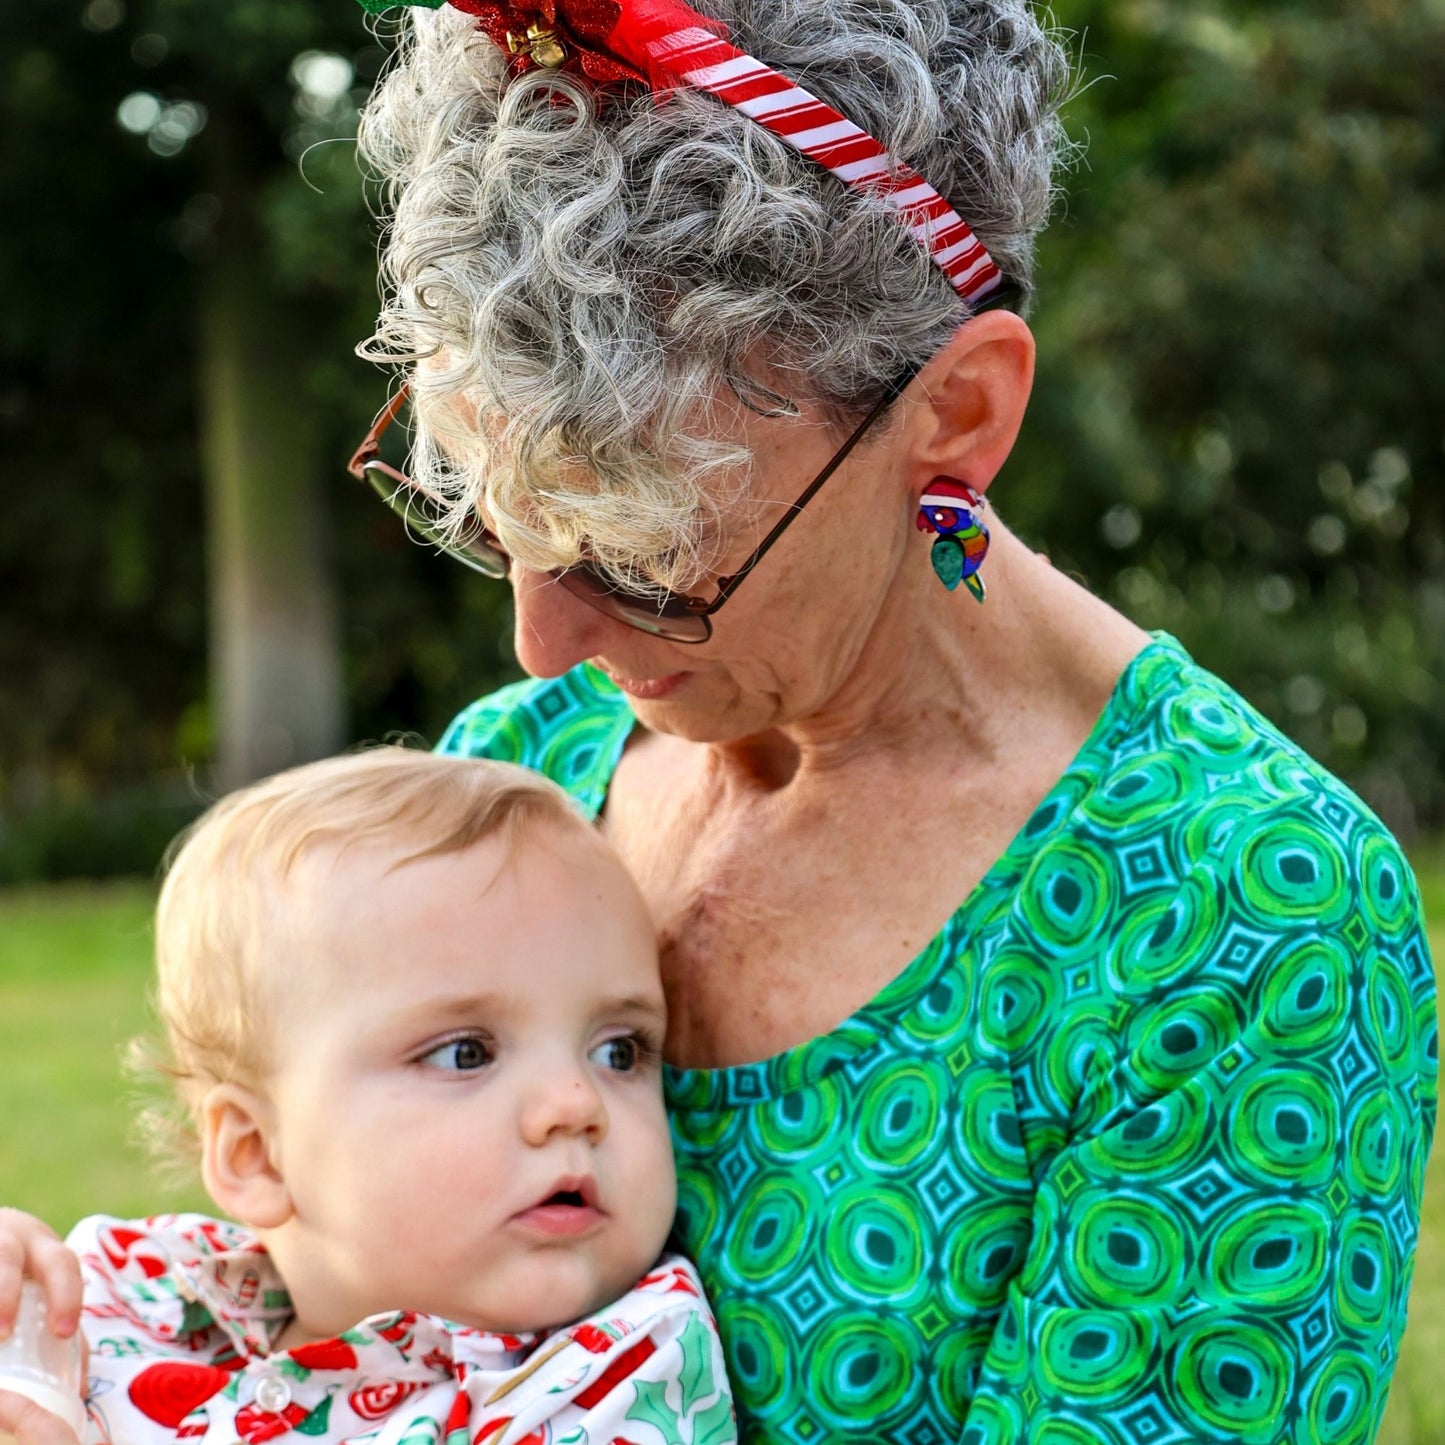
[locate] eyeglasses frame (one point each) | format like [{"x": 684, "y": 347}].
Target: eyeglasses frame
[{"x": 367, "y": 455}]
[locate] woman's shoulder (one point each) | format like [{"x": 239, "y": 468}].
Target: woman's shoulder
[
  {"x": 1184, "y": 742},
  {"x": 1208, "y": 896},
  {"x": 1198, "y": 783},
  {"x": 1189, "y": 794},
  {"x": 570, "y": 728}
]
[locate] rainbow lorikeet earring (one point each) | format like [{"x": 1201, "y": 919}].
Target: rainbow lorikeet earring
[{"x": 950, "y": 510}]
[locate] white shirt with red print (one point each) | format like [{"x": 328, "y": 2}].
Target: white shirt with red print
[{"x": 180, "y": 1311}]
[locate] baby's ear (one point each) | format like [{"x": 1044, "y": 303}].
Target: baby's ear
[{"x": 238, "y": 1158}]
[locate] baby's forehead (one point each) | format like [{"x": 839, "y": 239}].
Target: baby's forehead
[
  {"x": 342, "y": 881},
  {"x": 548, "y": 907},
  {"x": 392, "y": 856}
]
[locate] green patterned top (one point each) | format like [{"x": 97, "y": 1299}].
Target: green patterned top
[{"x": 1132, "y": 1152}]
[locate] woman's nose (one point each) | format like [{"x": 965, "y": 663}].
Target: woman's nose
[
  {"x": 554, "y": 630},
  {"x": 566, "y": 1102}
]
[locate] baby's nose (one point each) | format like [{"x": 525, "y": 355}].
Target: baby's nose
[{"x": 564, "y": 1103}]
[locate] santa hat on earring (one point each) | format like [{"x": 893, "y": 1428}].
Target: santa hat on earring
[{"x": 949, "y": 509}]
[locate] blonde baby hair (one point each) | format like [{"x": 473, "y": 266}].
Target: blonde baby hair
[{"x": 217, "y": 923}]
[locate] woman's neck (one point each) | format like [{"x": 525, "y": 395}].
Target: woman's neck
[{"x": 942, "y": 679}]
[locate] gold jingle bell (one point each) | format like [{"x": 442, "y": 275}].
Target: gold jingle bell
[{"x": 539, "y": 45}]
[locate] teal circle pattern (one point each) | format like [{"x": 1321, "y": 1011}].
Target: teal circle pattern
[
  {"x": 800, "y": 1125},
  {"x": 1096, "y": 1355},
  {"x": 1339, "y": 1404},
  {"x": 874, "y": 1245},
  {"x": 1282, "y": 1127},
  {"x": 1124, "y": 1249},
  {"x": 1307, "y": 999},
  {"x": 773, "y": 1228},
  {"x": 1232, "y": 1380},
  {"x": 901, "y": 1123},
  {"x": 861, "y": 1362},
  {"x": 1268, "y": 1256},
  {"x": 1132, "y": 1151}
]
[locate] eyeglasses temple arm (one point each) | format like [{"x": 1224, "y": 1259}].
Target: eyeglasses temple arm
[
  {"x": 371, "y": 442},
  {"x": 726, "y": 585}
]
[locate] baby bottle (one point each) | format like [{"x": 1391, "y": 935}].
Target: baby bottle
[{"x": 35, "y": 1364}]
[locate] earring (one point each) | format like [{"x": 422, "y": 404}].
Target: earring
[{"x": 948, "y": 508}]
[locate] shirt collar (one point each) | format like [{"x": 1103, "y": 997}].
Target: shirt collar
[{"x": 224, "y": 1280}]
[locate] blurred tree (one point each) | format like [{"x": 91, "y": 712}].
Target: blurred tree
[
  {"x": 95, "y": 415},
  {"x": 1240, "y": 413},
  {"x": 226, "y": 75},
  {"x": 191, "y": 265},
  {"x": 275, "y": 648}
]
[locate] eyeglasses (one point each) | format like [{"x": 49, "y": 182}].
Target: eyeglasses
[{"x": 671, "y": 615}]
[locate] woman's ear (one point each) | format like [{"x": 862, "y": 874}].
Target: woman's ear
[
  {"x": 238, "y": 1157},
  {"x": 970, "y": 400}
]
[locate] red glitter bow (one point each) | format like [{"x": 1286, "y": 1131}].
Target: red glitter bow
[{"x": 610, "y": 41}]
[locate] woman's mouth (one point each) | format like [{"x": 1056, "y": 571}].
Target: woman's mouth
[{"x": 649, "y": 689}]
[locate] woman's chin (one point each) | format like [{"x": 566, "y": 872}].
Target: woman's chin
[{"x": 713, "y": 721}]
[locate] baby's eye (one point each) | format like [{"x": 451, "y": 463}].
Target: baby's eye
[
  {"x": 459, "y": 1056},
  {"x": 623, "y": 1054}
]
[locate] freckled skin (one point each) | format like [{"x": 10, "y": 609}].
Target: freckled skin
[{"x": 855, "y": 746}]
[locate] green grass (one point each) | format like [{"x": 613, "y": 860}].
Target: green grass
[
  {"x": 74, "y": 989},
  {"x": 74, "y": 980}
]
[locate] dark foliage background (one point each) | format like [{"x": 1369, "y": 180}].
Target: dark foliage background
[{"x": 1238, "y": 432}]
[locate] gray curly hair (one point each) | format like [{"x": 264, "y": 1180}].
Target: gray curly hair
[{"x": 577, "y": 285}]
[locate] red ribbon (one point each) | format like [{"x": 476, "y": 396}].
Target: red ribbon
[{"x": 611, "y": 41}]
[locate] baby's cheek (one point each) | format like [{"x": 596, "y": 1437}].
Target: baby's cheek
[{"x": 656, "y": 1184}]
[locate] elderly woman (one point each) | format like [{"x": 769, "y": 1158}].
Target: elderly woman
[{"x": 1052, "y": 1042}]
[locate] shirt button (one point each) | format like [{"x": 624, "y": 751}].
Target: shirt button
[{"x": 273, "y": 1394}]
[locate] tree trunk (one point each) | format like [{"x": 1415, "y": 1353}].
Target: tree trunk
[{"x": 275, "y": 656}]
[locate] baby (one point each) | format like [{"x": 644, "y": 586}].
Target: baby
[{"x": 415, "y": 1023}]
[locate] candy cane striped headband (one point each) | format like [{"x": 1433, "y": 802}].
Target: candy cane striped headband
[{"x": 666, "y": 44}]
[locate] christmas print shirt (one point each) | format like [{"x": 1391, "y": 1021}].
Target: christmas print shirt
[{"x": 180, "y": 1312}]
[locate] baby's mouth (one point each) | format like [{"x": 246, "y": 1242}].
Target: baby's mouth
[{"x": 569, "y": 1207}]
